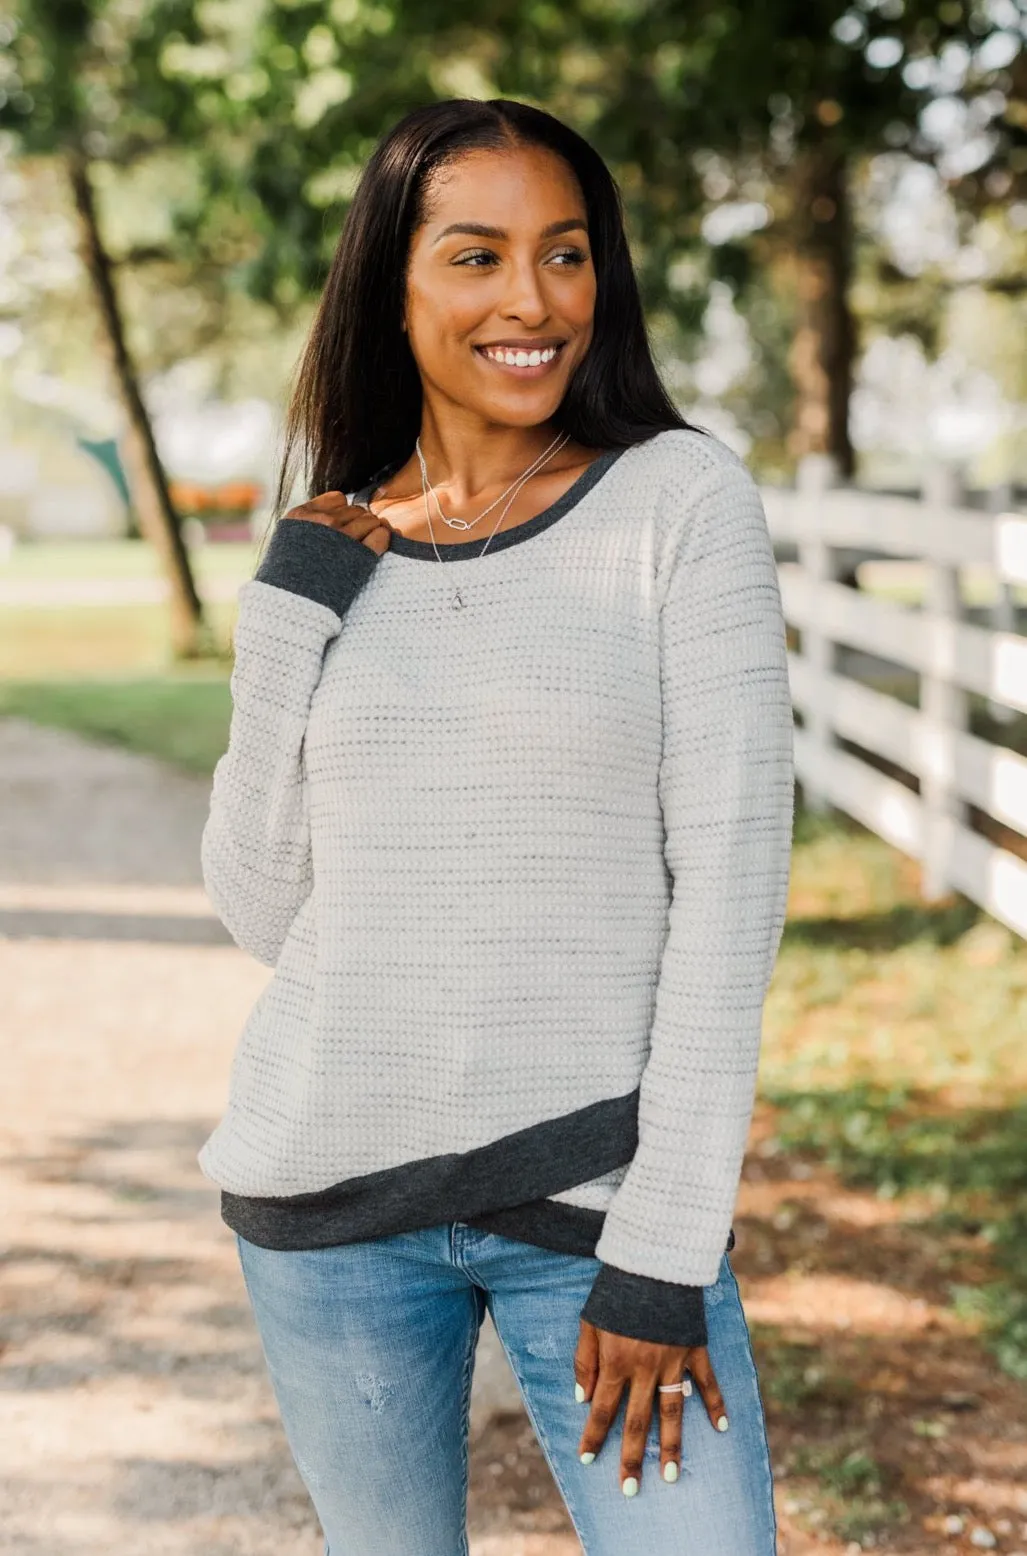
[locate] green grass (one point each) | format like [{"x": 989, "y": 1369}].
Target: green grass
[
  {"x": 799, "y": 1375},
  {"x": 970, "y": 1162},
  {"x": 107, "y": 672},
  {"x": 182, "y": 718},
  {"x": 83, "y": 641},
  {"x": 872, "y": 984},
  {"x": 894, "y": 1053},
  {"x": 851, "y": 1490},
  {"x": 49, "y": 560}
]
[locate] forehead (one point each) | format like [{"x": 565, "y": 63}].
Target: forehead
[{"x": 515, "y": 186}]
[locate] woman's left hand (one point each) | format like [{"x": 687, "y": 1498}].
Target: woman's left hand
[{"x": 606, "y": 1363}]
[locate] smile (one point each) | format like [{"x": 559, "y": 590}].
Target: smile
[{"x": 522, "y": 360}]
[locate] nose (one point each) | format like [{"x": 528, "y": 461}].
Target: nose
[{"x": 525, "y": 298}]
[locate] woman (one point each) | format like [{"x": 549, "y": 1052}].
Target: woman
[{"x": 514, "y": 833}]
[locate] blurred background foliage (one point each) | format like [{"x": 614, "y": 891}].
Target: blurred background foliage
[{"x": 205, "y": 151}]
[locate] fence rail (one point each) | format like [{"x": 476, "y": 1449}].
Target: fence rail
[{"x": 947, "y": 658}]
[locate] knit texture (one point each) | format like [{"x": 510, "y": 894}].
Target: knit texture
[{"x": 515, "y": 860}]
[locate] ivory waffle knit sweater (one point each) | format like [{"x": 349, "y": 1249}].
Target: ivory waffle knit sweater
[{"x": 520, "y": 868}]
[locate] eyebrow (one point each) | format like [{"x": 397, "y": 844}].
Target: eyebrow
[{"x": 480, "y": 230}]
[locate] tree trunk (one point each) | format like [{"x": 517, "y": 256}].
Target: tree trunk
[
  {"x": 191, "y": 637},
  {"x": 822, "y": 353}
]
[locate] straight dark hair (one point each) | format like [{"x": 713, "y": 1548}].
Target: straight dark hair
[{"x": 355, "y": 406}]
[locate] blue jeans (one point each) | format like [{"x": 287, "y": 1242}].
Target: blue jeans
[{"x": 370, "y": 1350}]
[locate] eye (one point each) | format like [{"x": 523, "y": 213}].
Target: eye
[
  {"x": 477, "y": 259},
  {"x": 571, "y": 256}
]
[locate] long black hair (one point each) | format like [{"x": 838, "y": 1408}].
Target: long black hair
[{"x": 355, "y": 408}]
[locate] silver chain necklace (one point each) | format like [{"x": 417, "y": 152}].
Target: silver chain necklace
[
  {"x": 457, "y": 601},
  {"x": 466, "y": 524}
]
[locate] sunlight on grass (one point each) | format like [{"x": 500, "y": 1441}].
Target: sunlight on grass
[
  {"x": 872, "y": 983},
  {"x": 894, "y": 1053},
  {"x": 46, "y": 561},
  {"x": 181, "y": 718},
  {"x": 85, "y": 640}
]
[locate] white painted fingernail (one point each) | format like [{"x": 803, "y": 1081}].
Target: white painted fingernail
[
  {"x": 722, "y": 1424},
  {"x": 586, "y": 1457},
  {"x": 670, "y": 1470},
  {"x": 630, "y": 1486},
  {"x": 579, "y": 1393},
  {"x": 687, "y": 1389}
]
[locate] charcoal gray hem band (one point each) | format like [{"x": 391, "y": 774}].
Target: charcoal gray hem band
[
  {"x": 548, "y": 1223},
  {"x": 526, "y": 1165}
]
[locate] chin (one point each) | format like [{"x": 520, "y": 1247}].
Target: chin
[{"x": 520, "y": 410}]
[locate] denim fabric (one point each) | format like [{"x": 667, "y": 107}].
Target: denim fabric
[{"x": 370, "y": 1351}]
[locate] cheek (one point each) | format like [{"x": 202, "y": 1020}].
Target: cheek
[
  {"x": 576, "y": 302},
  {"x": 439, "y": 336},
  {"x": 585, "y": 298}
]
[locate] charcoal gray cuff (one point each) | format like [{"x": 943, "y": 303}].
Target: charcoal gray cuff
[
  {"x": 644, "y": 1308},
  {"x": 314, "y": 560}
]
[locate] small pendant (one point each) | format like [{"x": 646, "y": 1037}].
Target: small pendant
[
  {"x": 457, "y": 601},
  {"x": 460, "y": 523}
]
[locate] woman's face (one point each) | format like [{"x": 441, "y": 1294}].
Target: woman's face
[{"x": 500, "y": 289}]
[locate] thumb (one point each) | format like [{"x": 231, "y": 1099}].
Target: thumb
[{"x": 586, "y": 1361}]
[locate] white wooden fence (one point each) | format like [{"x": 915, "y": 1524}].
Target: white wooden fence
[{"x": 952, "y": 658}]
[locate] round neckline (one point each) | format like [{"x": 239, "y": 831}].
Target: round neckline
[{"x": 468, "y": 550}]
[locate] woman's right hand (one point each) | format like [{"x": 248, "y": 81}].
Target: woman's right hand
[{"x": 333, "y": 509}]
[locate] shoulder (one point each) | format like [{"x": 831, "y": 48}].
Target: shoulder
[
  {"x": 687, "y": 460},
  {"x": 697, "y": 492}
]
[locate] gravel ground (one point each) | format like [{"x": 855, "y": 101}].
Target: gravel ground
[{"x": 135, "y": 1411}]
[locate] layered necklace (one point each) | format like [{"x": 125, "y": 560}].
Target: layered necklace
[{"x": 430, "y": 495}]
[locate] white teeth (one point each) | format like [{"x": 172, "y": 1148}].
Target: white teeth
[{"x": 520, "y": 358}]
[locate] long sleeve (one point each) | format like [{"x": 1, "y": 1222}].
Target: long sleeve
[
  {"x": 726, "y": 794},
  {"x": 255, "y": 848}
]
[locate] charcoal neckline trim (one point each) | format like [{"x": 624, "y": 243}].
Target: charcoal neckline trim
[{"x": 464, "y": 551}]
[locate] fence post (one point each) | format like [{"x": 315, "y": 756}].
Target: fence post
[
  {"x": 815, "y": 475},
  {"x": 944, "y": 705},
  {"x": 1003, "y": 611}
]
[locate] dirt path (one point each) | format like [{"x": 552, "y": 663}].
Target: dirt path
[{"x": 134, "y": 1410}]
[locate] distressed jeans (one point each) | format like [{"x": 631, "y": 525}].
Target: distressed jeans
[{"x": 370, "y": 1350}]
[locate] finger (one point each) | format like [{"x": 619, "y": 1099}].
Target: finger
[
  {"x": 586, "y": 1361},
  {"x": 360, "y": 522},
  {"x": 605, "y": 1404},
  {"x": 637, "y": 1420},
  {"x": 325, "y": 503},
  {"x": 332, "y": 499},
  {"x": 706, "y": 1382},
  {"x": 379, "y": 539},
  {"x": 672, "y": 1411}
]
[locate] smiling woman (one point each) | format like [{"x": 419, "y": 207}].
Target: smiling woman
[
  {"x": 498, "y": 327},
  {"x": 515, "y": 839}
]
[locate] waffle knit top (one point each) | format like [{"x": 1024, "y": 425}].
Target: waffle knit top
[{"x": 520, "y": 868}]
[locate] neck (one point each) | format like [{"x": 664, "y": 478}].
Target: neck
[{"x": 470, "y": 460}]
